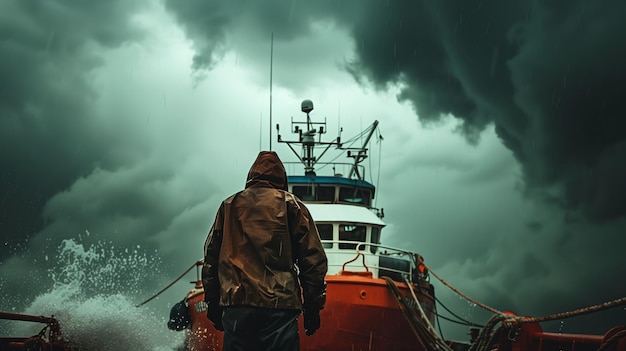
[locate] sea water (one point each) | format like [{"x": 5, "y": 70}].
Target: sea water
[{"x": 94, "y": 295}]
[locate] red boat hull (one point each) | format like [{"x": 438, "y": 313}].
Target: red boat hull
[{"x": 361, "y": 314}]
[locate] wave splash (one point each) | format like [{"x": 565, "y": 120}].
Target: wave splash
[{"x": 92, "y": 298}]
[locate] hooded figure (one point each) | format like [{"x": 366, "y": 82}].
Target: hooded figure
[{"x": 264, "y": 263}]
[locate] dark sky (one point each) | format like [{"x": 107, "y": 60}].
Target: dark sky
[{"x": 504, "y": 160}]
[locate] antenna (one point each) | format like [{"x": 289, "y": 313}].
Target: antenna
[
  {"x": 271, "y": 74},
  {"x": 260, "y": 131}
]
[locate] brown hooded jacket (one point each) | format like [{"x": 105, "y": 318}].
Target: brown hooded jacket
[{"x": 264, "y": 239}]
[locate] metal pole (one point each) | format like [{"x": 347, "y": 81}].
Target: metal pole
[{"x": 271, "y": 74}]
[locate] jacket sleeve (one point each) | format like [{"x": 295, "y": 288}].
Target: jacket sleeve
[
  {"x": 210, "y": 278},
  {"x": 309, "y": 254}
]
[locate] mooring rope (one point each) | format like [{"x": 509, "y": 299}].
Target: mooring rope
[
  {"x": 563, "y": 315},
  {"x": 512, "y": 319},
  {"x": 170, "y": 284},
  {"x": 423, "y": 330},
  {"x": 425, "y": 322},
  {"x": 490, "y": 309},
  {"x": 396, "y": 293},
  {"x": 488, "y": 334}
]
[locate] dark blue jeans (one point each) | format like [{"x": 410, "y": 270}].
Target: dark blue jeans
[{"x": 253, "y": 328}]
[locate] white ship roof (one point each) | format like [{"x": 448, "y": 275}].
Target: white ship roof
[{"x": 343, "y": 213}]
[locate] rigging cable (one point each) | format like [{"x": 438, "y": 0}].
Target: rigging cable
[
  {"x": 349, "y": 142},
  {"x": 198, "y": 263},
  {"x": 459, "y": 319},
  {"x": 425, "y": 334},
  {"x": 509, "y": 319},
  {"x": 394, "y": 289},
  {"x": 431, "y": 331},
  {"x": 490, "y": 309},
  {"x": 563, "y": 315}
]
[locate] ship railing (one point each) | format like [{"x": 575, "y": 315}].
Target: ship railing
[
  {"x": 381, "y": 260},
  {"x": 48, "y": 338},
  {"x": 339, "y": 169}
]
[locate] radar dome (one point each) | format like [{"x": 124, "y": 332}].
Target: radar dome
[{"x": 307, "y": 106}]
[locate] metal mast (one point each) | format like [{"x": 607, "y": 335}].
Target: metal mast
[{"x": 306, "y": 138}]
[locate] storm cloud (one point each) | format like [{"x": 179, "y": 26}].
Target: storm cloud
[
  {"x": 46, "y": 103},
  {"x": 548, "y": 75},
  {"x": 119, "y": 118}
]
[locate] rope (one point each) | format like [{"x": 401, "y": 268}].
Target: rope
[
  {"x": 404, "y": 309},
  {"x": 509, "y": 320},
  {"x": 490, "y": 309},
  {"x": 198, "y": 263},
  {"x": 488, "y": 334},
  {"x": 423, "y": 330},
  {"x": 429, "y": 328},
  {"x": 459, "y": 320},
  {"x": 563, "y": 315}
]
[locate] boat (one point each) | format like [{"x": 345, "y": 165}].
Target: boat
[
  {"x": 378, "y": 297},
  {"x": 373, "y": 290}
]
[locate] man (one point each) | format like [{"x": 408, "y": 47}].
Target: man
[{"x": 262, "y": 257}]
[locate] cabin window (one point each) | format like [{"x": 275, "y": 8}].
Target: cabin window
[
  {"x": 350, "y": 232},
  {"x": 314, "y": 192},
  {"x": 375, "y": 239},
  {"x": 355, "y": 195},
  {"x": 303, "y": 192},
  {"x": 326, "y": 233},
  {"x": 326, "y": 193}
]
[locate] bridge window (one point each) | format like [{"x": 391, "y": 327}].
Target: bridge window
[
  {"x": 314, "y": 192},
  {"x": 355, "y": 195},
  {"x": 375, "y": 239},
  {"x": 350, "y": 232},
  {"x": 326, "y": 233}
]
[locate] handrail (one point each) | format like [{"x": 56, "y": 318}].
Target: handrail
[
  {"x": 52, "y": 324},
  {"x": 363, "y": 243},
  {"x": 344, "y": 165},
  {"x": 364, "y": 252},
  {"x": 377, "y": 267},
  {"x": 354, "y": 259},
  {"x": 363, "y": 248}
]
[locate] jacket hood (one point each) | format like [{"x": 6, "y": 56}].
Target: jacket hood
[{"x": 267, "y": 171}]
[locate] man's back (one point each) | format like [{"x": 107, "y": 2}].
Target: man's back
[
  {"x": 262, "y": 256},
  {"x": 256, "y": 264}
]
